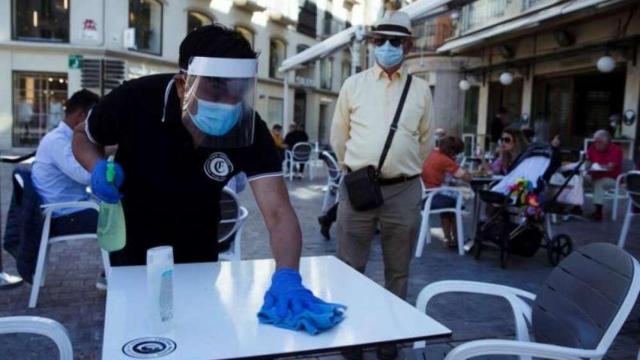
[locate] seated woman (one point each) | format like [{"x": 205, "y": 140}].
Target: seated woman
[
  {"x": 439, "y": 164},
  {"x": 512, "y": 143}
]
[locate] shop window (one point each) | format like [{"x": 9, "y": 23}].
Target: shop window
[
  {"x": 326, "y": 73},
  {"x": 277, "y": 54},
  {"x": 41, "y": 20},
  {"x": 145, "y": 16},
  {"x": 471, "y": 101},
  {"x": 275, "y": 111},
  {"x": 196, "y": 20},
  {"x": 247, "y": 34},
  {"x": 38, "y": 100}
]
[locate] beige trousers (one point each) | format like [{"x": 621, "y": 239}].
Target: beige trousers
[{"x": 398, "y": 218}]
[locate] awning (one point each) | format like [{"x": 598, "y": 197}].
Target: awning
[
  {"x": 321, "y": 49},
  {"x": 417, "y": 10},
  {"x": 518, "y": 24}
]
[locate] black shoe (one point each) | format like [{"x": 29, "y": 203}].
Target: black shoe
[
  {"x": 353, "y": 354},
  {"x": 387, "y": 352},
  {"x": 324, "y": 227}
]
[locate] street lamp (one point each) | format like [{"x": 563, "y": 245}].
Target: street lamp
[
  {"x": 606, "y": 64},
  {"x": 464, "y": 85},
  {"x": 506, "y": 78}
]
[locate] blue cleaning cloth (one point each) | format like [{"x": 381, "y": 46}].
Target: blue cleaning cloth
[
  {"x": 289, "y": 305},
  {"x": 101, "y": 187}
]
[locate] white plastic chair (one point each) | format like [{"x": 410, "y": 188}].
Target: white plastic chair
[
  {"x": 633, "y": 191},
  {"x": 619, "y": 192},
  {"x": 576, "y": 315},
  {"x": 232, "y": 219},
  {"x": 425, "y": 233},
  {"x": 333, "y": 180},
  {"x": 299, "y": 155},
  {"x": 46, "y": 240},
  {"x": 40, "y": 326}
]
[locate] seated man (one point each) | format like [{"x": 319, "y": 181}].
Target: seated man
[
  {"x": 58, "y": 177},
  {"x": 604, "y": 161}
]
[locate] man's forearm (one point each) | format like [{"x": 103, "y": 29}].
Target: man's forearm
[
  {"x": 284, "y": 230},
  {"x": 285, "y": 238},
  {"x": 86, "y": 152}
]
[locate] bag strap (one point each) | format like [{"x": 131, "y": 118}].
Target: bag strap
[{"x": 394, "y": 125}]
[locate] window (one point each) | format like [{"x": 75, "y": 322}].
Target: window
[
  {"x": 326, "y": 73},
  {"x": 246, "y": 33},
  {"x": 277, "y": 53},
  {"x": 38, "y": 100},
  {"x": 275, "y": 111},
  {"x": 305, "y": 75},
  {"x": 41, "y": 20},
  {"x": 196, "y": 20},
  {"x": 145, "y": 16},
  {"x": 345, "y": 72},
  {"x": 307, "y": 17}
]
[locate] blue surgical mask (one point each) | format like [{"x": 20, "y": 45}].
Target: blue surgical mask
[
  {"x": 216, "y": 119},
  {"x": 388, "y": 55}
]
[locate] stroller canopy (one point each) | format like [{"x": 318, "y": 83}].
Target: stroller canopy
[{"x": 536, "y": 164}]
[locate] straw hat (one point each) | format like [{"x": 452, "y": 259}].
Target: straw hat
[{"x": 394, "y": 23}]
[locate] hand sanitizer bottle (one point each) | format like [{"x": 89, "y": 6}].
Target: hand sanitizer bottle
[
  {"x": 160, "y": 288},
  {"x": 112, "y": 234}
]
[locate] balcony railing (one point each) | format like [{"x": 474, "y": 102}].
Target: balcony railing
[
  {"x": 430, "y": 36},
  {"x": 482, "y": 13}
]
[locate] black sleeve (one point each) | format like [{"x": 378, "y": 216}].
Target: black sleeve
[
  {"x": 262, "y": 158},
  {"x": 107, "y": 119}
]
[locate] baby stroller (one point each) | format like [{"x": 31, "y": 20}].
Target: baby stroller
[{"x": 512, "y": 226}]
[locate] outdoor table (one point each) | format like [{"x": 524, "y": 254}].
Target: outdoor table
[
  {"x": 478, "y": 183},
  {"x": 215, "y": 306}
]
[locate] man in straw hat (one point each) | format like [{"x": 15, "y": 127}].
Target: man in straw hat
[{"x": 362, "y": 126}]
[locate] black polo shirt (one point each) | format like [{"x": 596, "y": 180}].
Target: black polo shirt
[{"x": 171, "y": 191}]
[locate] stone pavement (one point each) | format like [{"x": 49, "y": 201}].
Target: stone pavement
[{"x": 71, "y": 298}]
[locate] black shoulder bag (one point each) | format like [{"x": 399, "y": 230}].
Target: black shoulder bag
[{"x": 362, "y": 185}]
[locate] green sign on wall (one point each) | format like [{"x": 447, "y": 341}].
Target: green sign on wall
[{"x": 75, "y": 61}]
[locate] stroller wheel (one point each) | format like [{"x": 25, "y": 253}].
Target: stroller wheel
[{"x": 559, "y": 248}]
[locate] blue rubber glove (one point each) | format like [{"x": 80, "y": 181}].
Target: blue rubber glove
[
  {"x": 288, "y": 304},
  {"x": 101, "y": 187}
]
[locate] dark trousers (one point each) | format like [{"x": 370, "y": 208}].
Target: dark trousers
[{"x": 80, "y": 222}]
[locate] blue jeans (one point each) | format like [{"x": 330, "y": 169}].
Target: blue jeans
[{"x": 80, "y": 222}]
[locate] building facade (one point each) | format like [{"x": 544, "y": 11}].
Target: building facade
[
  {"x": 562, "y": 67},
  {"x": 51, "y": 48}
]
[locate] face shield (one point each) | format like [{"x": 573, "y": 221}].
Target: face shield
[{"x": 218, "y": 105}]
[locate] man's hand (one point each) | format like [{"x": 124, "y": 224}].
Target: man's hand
[
  {"x": 104, "y": 188},
  {"x": 288, "y": 304}
]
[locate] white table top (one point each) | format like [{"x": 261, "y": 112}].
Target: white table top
[{"x": 215, "y": 308}]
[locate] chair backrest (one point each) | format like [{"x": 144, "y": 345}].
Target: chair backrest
[
  {"x": 302, "y": 151},
  {"x": 332, "y": 165},
  {"x": 587, "y": 298},
  {"x": 41, "y": 326},
  {"x": 633, "y": 187},
  {"x": 229, "y": 215}
]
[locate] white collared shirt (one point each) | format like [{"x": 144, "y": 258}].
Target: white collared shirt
[{"x": 56, "y": 174}]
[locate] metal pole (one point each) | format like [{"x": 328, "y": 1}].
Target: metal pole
[{"x": 285, "y": 103}]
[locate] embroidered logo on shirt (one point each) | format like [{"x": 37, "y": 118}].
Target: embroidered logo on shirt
[{"x": 218, "y": 166}]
